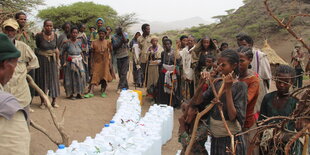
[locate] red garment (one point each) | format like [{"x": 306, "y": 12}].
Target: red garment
[{"x": 252, "y": 82}]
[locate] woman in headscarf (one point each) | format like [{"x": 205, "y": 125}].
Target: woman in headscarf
[
  {"x": 134, "y": 48},
  {"x": 47, "y": 75},
  {"x": 101, "y": 67},
  {"x": 154, "y": 58},
  {"x": 168, "y": 76},
  {"x": 94, "y": 36},
  {"x": 74, "y": 69},
  {"x": 204, "y": 47}
]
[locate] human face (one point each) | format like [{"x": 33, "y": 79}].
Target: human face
[
  {"x": 109, "y": 30},
  {"x": 191, "y": 42},
  {"x": 48, "y": 27},
  {"x": 209, "y": 62},
  {"x": 206, "y": 43},
  {"x": 283, "y": 83},
  {"x": 244, "y": 43},
  {"x": 10, "y": 32},
  {"x": 92, "y": 29},
  {"x": 215, "y": 42},
  {"x": 8, "y": 70},
  {"x": 99, "y": 24},
  {"x": 244, "y": 62},
  {"x": 167, "y": 45},
  {"x": 74, "y": 34},
  {"x": 154, "y": 42},
  {"x": 83, "y": 28},
  {"x": 67, "y": 28},
  {"x": 102, "y": 35},
  {"x": 147, "y": 30},
  {"x": 119, "y": 31},
  {"x": 224, "y": 47},
  {"x": 137, "y": 35},
  {"x": 225, "y": 67},
  {"x": 22, "y": 20},
  {"x": 184, "y": 42}
]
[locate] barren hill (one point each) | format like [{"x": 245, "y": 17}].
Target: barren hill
[{"x": 253, "y": 19}]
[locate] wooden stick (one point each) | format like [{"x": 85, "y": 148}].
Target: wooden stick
[
  {"x": 205, "y": 111},
  {"x": 59, "y": 125},
  {"x": 232, "y": 138},
  {"x": 294, "y": 138},
  {"x": 288, "y": 25},
  {"x": 306, "y": 144},
  {"x": 172, "y": 86},
  {"x": 44, "y": 131},
  {"x": 197, "y": 119}
]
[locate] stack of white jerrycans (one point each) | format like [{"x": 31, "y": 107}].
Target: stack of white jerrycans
[{"x": 127, "y": 133}]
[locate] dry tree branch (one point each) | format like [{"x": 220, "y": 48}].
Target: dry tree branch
[
  {"x": 288, "y": 25},
  {"x": 59, "y": 125},
  {"x": 200, "y": 114},
  {"x": 197, "y": 119},
  {"x": 294, "y": 138},
  {"x": 232, "y": 138},
  {"x": 43, "y": 130}
]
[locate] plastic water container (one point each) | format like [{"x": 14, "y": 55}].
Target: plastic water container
[
  {"x": 139, "y": 96},
  {"x": 105, "y": 130},
  {"x": 87, "y": 147},
  {"x": 208, "y": 144},
  {"x": 74, "y": 147},
  {"x": 61, "y": 150},
  {"x": 50, "y": 152}
]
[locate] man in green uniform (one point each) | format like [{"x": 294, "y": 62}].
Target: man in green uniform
[{"x": 14, "y": 132}]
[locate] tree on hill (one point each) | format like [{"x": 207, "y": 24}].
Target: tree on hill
[
  {"x": 86, "y": 13},
  {"x": 79, "y": 13},
  {"x": 125, "y": 21},
  {"x": 8, "y": 8}
]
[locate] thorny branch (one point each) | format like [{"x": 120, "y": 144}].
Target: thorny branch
[{"x": 287, "y": 25}]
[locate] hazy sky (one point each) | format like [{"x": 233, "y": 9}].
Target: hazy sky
[{"x": 163, "y": 10}]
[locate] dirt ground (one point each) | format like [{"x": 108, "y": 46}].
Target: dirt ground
[{"x": 87, "y": 117}]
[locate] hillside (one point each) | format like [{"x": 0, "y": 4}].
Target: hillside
[
  {"x": 253, "y": 19},
  {"x": 159, "y": 27}
]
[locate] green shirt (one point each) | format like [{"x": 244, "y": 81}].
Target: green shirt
[{"x": 26, "y": 37}]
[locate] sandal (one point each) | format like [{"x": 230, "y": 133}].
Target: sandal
[
  {"x": 55, "y": 105},
  {"x": 72, "y": 97},
  {"x": 104, "y": 95},
  {"x": 79, "y": 96},
  {"x": 42, "y": 106},
  {"x": 89, "y": 95}
]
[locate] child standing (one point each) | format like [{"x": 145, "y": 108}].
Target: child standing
[
  {"x": 252, "y": 80},
  {"x": 233, "y": 104},
  {"x": 280, "y": 103}
]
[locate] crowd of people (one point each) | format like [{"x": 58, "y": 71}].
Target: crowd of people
[{"x": 175, "y": 75}]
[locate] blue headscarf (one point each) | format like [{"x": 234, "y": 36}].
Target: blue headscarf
[{"x": 99, "y": 19}]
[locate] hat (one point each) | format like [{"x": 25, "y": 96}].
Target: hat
[
  {"x": 7, "y": 48},
  {"x": 99, "y": 19},
  {"x": 154, "y": 37},
  {"x": 10, "y": 22}
]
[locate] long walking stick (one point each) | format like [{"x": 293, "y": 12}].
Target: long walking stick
[
  {"x": 146, "y": 70},
  {"x": 205, "y": 111},
  {"x": 172, "y": 86}
]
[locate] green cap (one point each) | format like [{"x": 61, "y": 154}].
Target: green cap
[{"x": 7, "y": 48}]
